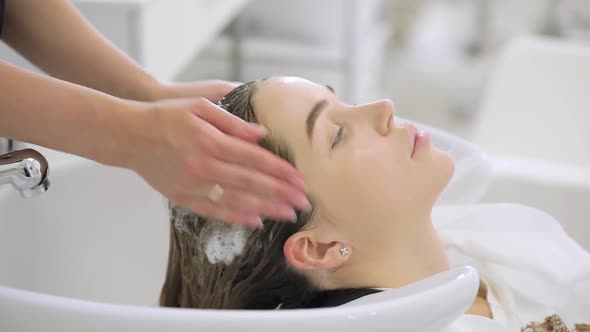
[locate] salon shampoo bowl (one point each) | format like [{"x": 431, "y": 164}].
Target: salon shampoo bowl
[
  {"x": 428, "y": 306},
  {"x": 90, "y": 255}
]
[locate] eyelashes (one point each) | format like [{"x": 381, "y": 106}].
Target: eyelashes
[{"x": 338, "y": 137}]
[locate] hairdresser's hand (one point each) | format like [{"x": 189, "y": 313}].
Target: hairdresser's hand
[{"x": 184, "y": 147}]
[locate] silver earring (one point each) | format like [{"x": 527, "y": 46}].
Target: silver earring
[{"x": 344, "y": 251}]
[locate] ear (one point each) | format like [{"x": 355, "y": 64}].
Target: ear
[{"x": 303, "y": 250}]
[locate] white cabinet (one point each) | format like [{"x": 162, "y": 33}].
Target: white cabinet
[
  {"x": 162, "y": 35},
  {"x": 342, "y": 43}
]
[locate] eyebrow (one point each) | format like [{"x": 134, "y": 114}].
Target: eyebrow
[{"x": 313, "y": 116}]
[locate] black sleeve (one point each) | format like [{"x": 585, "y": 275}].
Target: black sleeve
[
  {"x": 337, "y": 297},
  {"x": 1, "y": 15}
]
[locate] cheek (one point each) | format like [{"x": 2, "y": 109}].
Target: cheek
[
  {"x": 378, "y": 183},
  {"x": 369, "y": 182}
]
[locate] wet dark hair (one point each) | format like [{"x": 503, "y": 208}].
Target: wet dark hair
[{"x": 260, "y": 278}]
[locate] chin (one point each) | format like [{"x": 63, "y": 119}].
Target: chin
[
  {"x": 443, "y": 170},
  {"x": 447, "y": 166}
]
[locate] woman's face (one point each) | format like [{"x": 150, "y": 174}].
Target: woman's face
[{"x": 367, "y": 174}]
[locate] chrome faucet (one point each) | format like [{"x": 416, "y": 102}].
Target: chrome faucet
[{"x": 27, "y": 170}]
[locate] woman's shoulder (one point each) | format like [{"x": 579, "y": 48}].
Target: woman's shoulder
[
  {"x": 469, "y": 323},
  {"x": 494, "y": 216}
]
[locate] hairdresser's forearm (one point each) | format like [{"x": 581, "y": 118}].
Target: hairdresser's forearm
[
  {"x": 56, "y": 38},
  {"x": 64, "y": 116}
]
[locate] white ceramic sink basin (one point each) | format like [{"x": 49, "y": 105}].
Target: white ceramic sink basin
[{"x": 99, "y": 233}]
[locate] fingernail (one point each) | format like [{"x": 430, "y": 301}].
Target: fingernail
[
  {"x": 303, "y": 203},
  {"x": 289, "y": 214},
  {"x": 258, "y": 130},
  {"x": 297, "y": 181},
  {"x": 293, "y": 216},
  {"x": 257, "y": 223}
]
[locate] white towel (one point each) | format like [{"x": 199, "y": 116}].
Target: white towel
[{"x": 533, "y": 268}]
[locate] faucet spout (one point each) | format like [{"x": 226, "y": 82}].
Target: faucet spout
[{"x": 27, "y": 170}]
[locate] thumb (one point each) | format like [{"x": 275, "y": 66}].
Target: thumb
[{"x": 227, "y": 122}]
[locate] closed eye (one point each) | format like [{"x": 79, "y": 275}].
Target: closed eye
[{"x": 338, "y": 137}]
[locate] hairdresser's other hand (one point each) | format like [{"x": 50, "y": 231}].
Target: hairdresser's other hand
[
  {"x": 212, "y": 90},
  {"x": 184, "y": 147}
]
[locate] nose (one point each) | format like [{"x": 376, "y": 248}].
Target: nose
[{"x": 380, "y": 115}]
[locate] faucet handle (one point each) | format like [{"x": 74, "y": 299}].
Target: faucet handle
[{"x": 36, "y": 191}]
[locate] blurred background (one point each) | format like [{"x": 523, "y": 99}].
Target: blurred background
[{"x": 432, "y": 57}]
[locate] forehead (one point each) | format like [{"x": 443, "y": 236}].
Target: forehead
[{"x": 283, "y": 103}]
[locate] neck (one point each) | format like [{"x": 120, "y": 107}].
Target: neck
[{"x": 409, "y": 256}]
